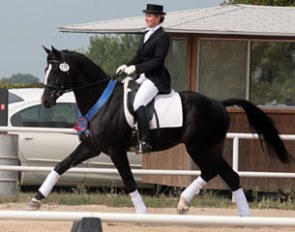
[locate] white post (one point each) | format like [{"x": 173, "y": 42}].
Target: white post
[
  {"x": 8, "y": 157},
  {"x": 236, "y": 153},
  {"x": 235, "y": 157}
]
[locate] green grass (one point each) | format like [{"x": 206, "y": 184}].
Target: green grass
[{"x": 81, "y": 196}]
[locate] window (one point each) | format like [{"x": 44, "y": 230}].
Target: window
[
  {"x": 12, "y": 98},
  {"x": 222, "y": 68},
  {"x": 62, "y": 115},
  {"x": 177, "y": 61},
  {"x": 272, "y": 73}
]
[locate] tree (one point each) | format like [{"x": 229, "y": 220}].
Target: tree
[
  {"x": 20, "y": 78},
  {"x": 110, "y": 51}
]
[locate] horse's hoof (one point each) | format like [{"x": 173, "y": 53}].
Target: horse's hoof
[
  {"x": 183, "y": 206},
  {"x": 34, "y": 204}
]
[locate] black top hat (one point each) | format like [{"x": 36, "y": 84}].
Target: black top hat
[{"x": 154, "y": 9}]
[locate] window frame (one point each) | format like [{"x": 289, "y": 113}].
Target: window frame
[
  {"x": 249, "y": 40},
  {"x": 186, "y": 38}
]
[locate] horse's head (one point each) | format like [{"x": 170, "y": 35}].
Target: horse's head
[{"x": 57, "y": 80}]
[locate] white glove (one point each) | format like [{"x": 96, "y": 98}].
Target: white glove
[
  {"x": 130, "y": 70},
  {"x": 121, "y": 68}
]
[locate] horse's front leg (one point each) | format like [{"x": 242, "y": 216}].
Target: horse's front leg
[
  {"x": 121, "y": 162},
  {"x": 80, "y": 154}
]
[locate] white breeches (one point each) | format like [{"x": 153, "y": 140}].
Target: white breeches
[{"x": 146, "y": 92}]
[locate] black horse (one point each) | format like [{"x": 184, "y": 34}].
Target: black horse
[{"x": 205, "y": 124}]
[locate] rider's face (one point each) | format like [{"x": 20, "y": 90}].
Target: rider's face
[{"x": 152, "y": 20}]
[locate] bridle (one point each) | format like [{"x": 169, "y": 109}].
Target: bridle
[{"x": 60, "y": 90}]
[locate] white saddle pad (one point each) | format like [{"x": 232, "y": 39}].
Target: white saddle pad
[{"x": 168, "y": 108}]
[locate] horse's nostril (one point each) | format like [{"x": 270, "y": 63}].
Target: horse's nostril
[{"x": 46, "y": 103}]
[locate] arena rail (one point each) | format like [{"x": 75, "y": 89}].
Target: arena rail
[
  {"x": 151, "y": 219},
  {"x": 234, "y": 136}
]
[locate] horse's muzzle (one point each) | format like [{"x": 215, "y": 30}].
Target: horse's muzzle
[{"x": 48, "y": 101}]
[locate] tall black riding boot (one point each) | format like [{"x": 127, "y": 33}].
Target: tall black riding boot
[{"x": 144, "y": 130}]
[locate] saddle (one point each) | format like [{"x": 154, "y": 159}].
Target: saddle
[
  {"x": 132, "y": 87},
  {"x": 165, "y": 111}
]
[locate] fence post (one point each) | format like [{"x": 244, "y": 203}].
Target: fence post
[
  {"x": 236, "y": 154},
  {"x": 8, "y": 156},
  {"x": 235, "y": 157}
]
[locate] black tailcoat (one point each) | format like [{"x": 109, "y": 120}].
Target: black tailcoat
[{"x": 150, "y": 57}]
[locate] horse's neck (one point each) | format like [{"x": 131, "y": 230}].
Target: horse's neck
[{"x": 87, "y": 96}]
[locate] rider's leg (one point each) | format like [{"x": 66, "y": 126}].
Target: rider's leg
[{"x": 146, "y": 92}]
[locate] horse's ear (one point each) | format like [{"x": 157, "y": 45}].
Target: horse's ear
[
  {"x": 48, "y": 51},
  {"x": 56, "y": 52}
]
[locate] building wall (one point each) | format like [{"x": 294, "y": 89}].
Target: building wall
[{"x": 258, "y": 69}]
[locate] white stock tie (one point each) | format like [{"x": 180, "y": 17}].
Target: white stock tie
[{"x": 148, "y": 34}]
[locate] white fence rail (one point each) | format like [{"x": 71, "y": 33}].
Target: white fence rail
[
  {"x": 235, "y": 136},
  {"x": 141, "y": 171},
  {"x": 37, "y": 130},
  {"x": 155, "y": 219}
]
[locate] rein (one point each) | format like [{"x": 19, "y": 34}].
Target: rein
[
  {"x": 63, "y": 90},
  {"x": 92, "y": 83}
]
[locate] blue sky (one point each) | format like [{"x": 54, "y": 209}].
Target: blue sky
[{"x": 27, "y": 25}]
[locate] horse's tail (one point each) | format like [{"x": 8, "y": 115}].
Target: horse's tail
[{"x": 265, "y": 128}]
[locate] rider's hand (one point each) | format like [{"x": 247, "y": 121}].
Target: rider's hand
[
  {"x": 130, "y": 70},
  {"x": 121, "y": 69}
]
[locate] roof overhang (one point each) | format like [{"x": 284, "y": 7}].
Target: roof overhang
[{"x": 241, "y": 20}]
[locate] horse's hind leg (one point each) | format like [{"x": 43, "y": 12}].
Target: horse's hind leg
[
  {"x": 233, "y": 181},
  {"x": 207, "y": 173},
  {"x": 188, "y": 194},
  {"x": 81, "y": 153},
  {"x": 211, "y": 164}
]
